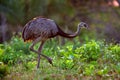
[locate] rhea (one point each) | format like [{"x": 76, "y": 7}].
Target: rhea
[{"x": 40, "y": 29}]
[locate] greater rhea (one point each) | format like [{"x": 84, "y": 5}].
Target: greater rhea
[{"x": 40, "y": 29}]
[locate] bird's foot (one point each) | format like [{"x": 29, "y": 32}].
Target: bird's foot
[{"x": 50, "y": 61}]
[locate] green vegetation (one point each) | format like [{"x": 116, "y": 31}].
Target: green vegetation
[{"x": 91, "y": 60}]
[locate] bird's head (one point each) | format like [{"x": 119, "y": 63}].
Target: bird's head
[{"x": 82, "y": 24}]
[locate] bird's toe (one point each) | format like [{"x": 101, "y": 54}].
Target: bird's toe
[{"x": 50, "y": 61}]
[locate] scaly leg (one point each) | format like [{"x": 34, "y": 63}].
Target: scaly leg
[{"x": 39, "y": 52}]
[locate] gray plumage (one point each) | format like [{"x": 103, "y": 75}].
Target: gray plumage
[{"x": 43, "y": 27}]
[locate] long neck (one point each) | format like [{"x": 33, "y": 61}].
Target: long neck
[{"x": 61, "y": 33}]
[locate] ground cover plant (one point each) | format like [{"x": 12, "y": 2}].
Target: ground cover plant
[{"x": 74, "y": 61}]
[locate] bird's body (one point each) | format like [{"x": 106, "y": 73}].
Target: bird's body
[{"x": 41, "y": 29}]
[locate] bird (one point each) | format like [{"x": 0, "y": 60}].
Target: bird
[{"x": 40, "y": 29}]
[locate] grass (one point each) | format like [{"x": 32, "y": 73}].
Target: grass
[{"x": 73, "y": 61}]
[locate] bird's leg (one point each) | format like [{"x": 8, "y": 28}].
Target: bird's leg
[
  {"x": 39, "y": 50},
  {"x": 32, "y": 49},
  {"x": 33, "y": 44},
  {"x": 49, "y": 59}
]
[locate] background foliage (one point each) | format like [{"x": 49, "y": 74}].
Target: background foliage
[{"x": 101, "y": 15}]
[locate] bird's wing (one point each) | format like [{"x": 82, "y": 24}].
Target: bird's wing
[
  {"x": 40, "y": 27},
  {"x": 44, "y": 27}
]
